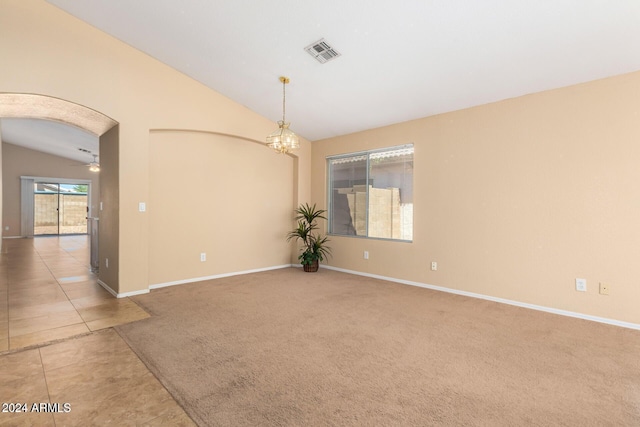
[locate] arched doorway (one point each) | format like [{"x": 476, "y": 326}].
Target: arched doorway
[{"x": 35, "y": 106}]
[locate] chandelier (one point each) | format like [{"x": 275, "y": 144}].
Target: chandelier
[{"x": 283, "y": 140}]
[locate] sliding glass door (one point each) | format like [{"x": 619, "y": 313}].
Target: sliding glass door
[{"x": 59, "y": 208}]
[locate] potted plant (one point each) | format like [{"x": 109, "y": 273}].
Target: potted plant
[{"x": 315, "y": 247}]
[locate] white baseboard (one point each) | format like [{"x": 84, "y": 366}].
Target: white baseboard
[
  {"x": 216, "y": 276},
  {"x": 494, "y": 299},
  {"x": 133, "y": 293},
  {"x": 124, "y": 294}
]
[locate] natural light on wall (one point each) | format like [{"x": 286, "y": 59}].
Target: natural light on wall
[{"x": 371, "y": 193}]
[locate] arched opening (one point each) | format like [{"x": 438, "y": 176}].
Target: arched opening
[
  {"x": 42, "y": 107},
  {"x": 27, "y": 105}
]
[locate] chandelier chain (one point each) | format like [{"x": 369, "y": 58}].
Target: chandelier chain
[{"x": 284, "y": 95}]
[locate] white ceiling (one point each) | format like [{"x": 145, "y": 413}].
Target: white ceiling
[
  {"x": 50, "y": 137},
  {"x": 400, "y": 60}
]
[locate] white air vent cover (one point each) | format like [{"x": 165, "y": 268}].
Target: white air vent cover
[{"x": 322, "y": 51}]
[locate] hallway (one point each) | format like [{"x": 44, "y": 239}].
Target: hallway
[{"x": 47, "y": 293}]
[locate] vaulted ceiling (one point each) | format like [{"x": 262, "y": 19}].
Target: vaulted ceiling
[{"x": 398, "y": 60}]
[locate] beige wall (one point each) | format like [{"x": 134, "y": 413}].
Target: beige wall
[
  {"x": 47, "y": 51},
  {"x": 514, "y": 199},
  {"x": 19, "y": 161},
  {"x": 518, "y": 198},
  {"x": 227, "y": 201}
]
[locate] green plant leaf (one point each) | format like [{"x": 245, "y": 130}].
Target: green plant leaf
[
  {"x": 314, "y": 246},
  {"x": 309, "y": 213}
]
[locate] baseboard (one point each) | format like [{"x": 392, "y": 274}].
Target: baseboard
[
  {"x": 567, "y": 313},
  {"x": 217, "y": 276},
  {"x": 124, "y": 294},
  {"x": 107, "y": 288},
  {"x": 133, "y": 293}
]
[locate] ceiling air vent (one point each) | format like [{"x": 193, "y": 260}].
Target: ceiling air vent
[{"x": 322, "y": 51}]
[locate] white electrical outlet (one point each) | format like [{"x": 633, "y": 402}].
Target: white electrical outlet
[
  {"x": 106, "y": 262},
  {"x": 434, "y": 266},
  {"x": 203, "y": 256},
  {"x": 142, "y": 207},
  {"x": 366, "y": 254},
  {"x": 581, "y": 285}
]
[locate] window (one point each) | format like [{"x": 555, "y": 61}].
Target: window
[{"x": 371, "y": 193}]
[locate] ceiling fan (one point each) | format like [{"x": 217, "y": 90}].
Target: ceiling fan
[{"x": 94, "y": 166}]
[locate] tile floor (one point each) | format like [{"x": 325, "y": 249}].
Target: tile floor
[
  {"x": 50, "y": 293},
  {"x": 57, "y": 345}
]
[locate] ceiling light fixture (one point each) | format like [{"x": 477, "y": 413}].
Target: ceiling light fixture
[
  {"x": 94, "y": 166},
  {"x": 283, "y": 140}
]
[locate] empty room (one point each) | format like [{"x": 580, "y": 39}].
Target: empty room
[{"x": 336, "y": 213}]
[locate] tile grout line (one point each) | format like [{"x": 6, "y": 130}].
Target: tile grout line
[
  {"x": 59, "y": 247},
  {"x": 46, "y": 383},
  {"x": 8, "y": 314},
  {"x": 8, "y": 326},
  {"x": 135, "y": 353},
  {"x": 6, "y": 274},
  {"x": 42, "y": 260},
  {"x": 50, "y": 255}
]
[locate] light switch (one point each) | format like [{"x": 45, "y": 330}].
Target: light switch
[{"x": 142, "y": 207}]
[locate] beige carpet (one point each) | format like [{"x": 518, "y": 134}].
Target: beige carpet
[{"x": 289, "y": 348}]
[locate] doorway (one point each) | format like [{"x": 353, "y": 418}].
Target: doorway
[
  {"x": 35, "y": 106},
  {"x": 60, "y": 208}
]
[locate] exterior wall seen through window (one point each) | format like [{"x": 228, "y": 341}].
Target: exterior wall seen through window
[{"x": 371, "y": 194}]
